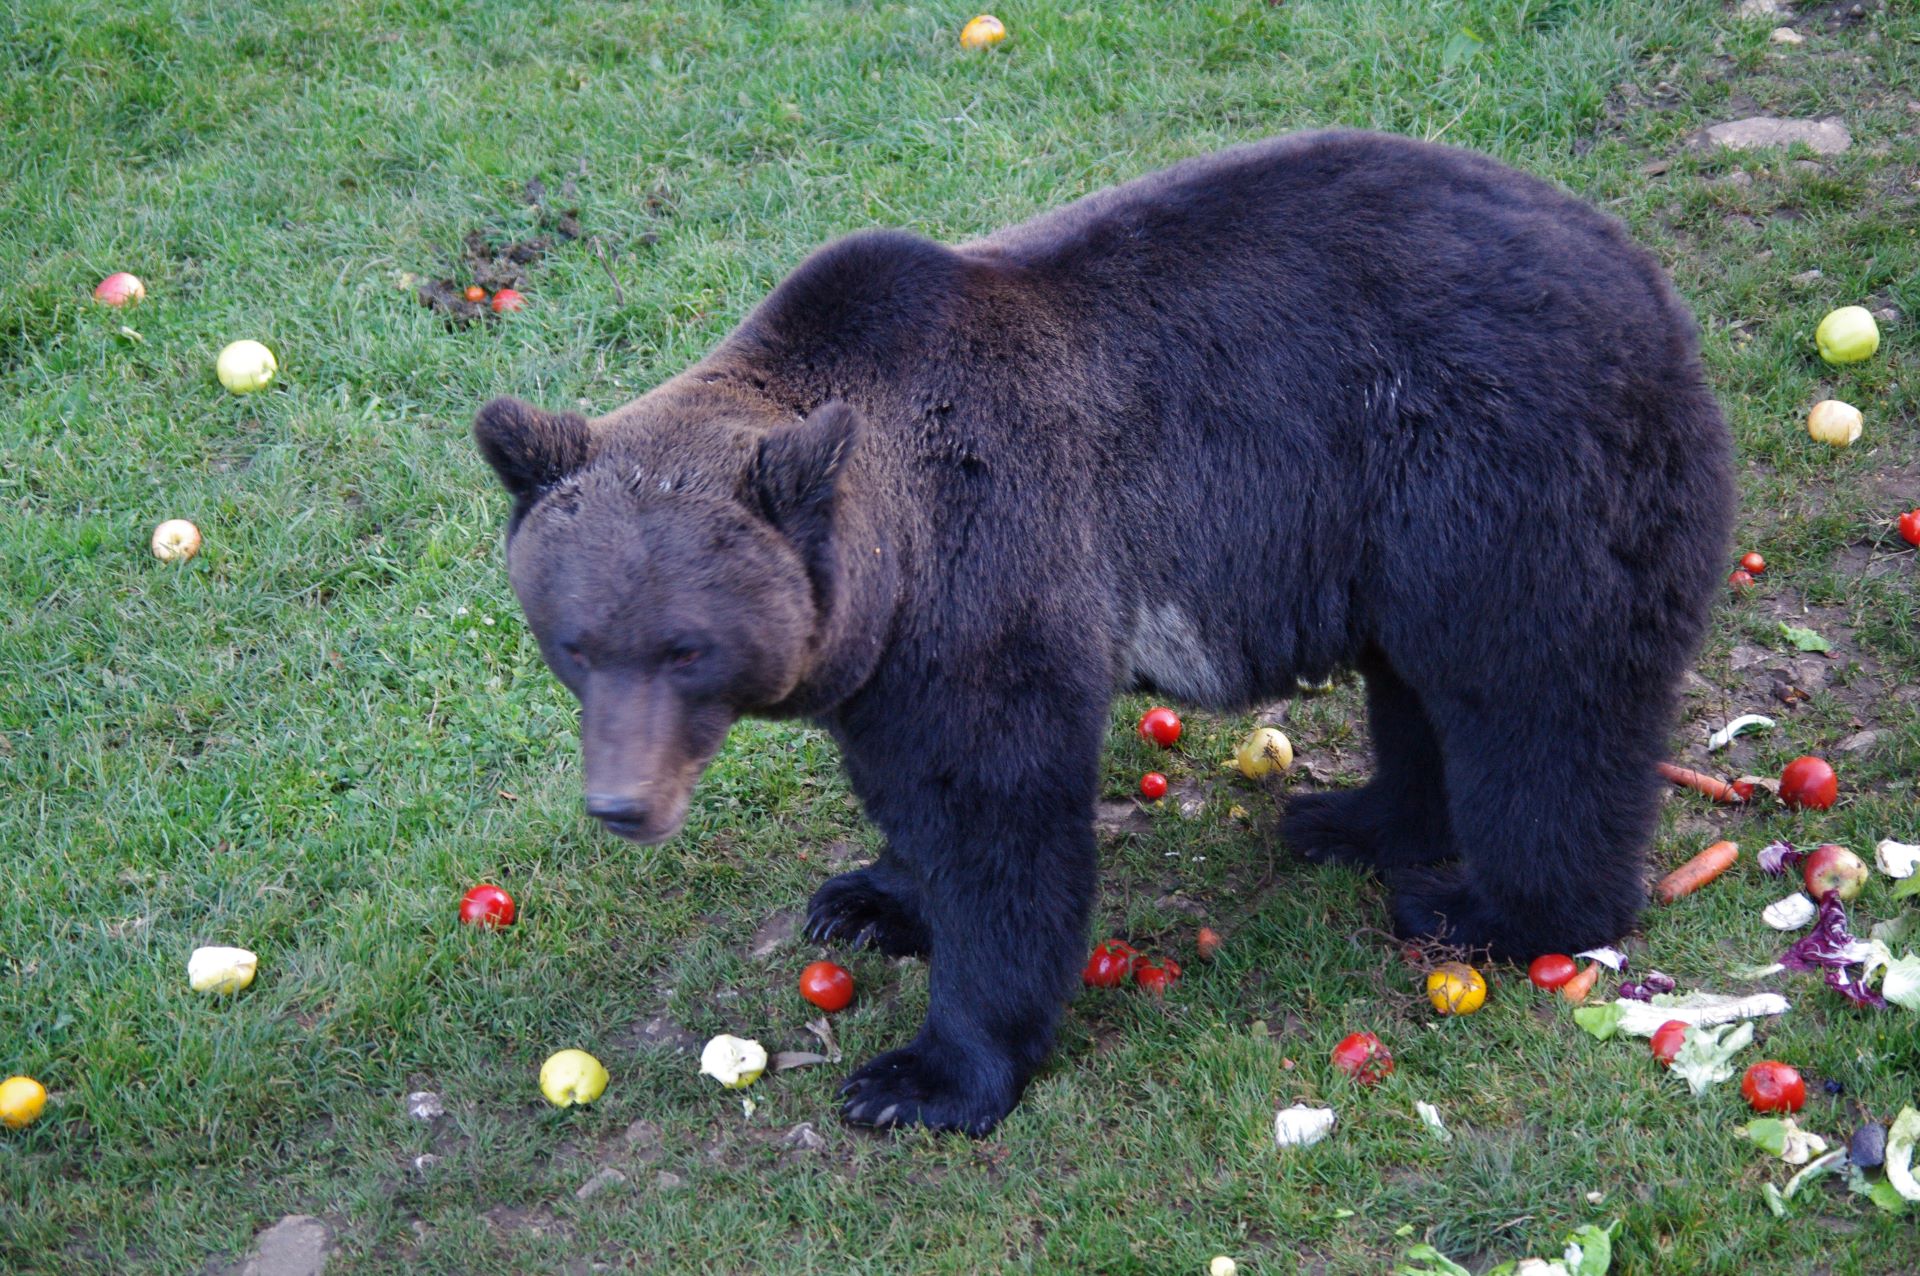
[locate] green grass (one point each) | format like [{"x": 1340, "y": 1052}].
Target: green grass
[{"x": 314, "y": 736}]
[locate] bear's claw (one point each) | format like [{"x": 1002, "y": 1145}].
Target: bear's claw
[
  {"x": 863, "y": 905},
  {"x": 922, "y": 1084}
]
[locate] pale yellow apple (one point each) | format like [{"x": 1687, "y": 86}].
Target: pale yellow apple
[
  {"x": 176, "y": 540},
  {"x": 572, "y": 1076},
  {"x": 734, "y": 1062},
  {"x": 245, "y": 366},
  {"x": 1834, "y": 423},
  {"x": 1263, "y": 752},
  {"x": 219, "y": 970}
]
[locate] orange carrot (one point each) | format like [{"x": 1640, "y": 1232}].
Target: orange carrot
[
  {"x": 1697, "y": 872},
  {"x": 1577, "y": 988},
  {"x": 1700, "y": 782}
]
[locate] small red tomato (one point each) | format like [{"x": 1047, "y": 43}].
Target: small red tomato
[
  {"x": 1810, "y": 782},
  {"x": 1910, "y": 527},
  {"x": 1153, "y": 786},
  {"x": 1363, "y": 1057},
  {"x": 1752, "y": 562},
  {"x": 826, "y": 985},
  {"x": 507, "y": 299},
  {"x": 1551, "y": 970},
  {"x": 1743, "y": 789},
  {"x": 1155, "y": 974},
  {"x": 475, "y": 292},
  {"x": 1207, "y": 943},
  {"x": 1667, "y": 1039},
  {"x": 1771, "y": 1086},
  {"x": 1741, "y": 579},
  {"x": 1110, "y": 964},
  {"x": 487, "y": 906},
  {"x": 1160, "y": 726}
]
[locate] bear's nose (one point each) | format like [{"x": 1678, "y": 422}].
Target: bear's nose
[{"x": 615, "y": 809}]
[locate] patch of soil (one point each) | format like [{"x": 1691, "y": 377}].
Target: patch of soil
[{"x": 496, "y": 265}]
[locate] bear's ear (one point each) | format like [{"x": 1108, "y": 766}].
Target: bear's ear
[
  {"x": 796, "y": 470},
  {"x": 529, "y": 449}
]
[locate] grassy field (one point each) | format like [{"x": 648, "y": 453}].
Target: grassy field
[{"x": 314, "y": 736}]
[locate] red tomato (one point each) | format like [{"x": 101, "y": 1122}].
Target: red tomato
[
  {"x": 1155, "y": 974},
  {"x": 487, "y": 906},
  {"x": 826, "y": 985},
  {"x": 475, "y": 292},
  {"x": 1363, "y": 1057},
  {"x": 1667, "y": 1039},
  {"x": 1809, "y": 781},
  {"x": 507, "y": 299},
  {"x": 1910, "y": 527},
  {"x": 1741, "y": 579},
  {"x": 1771, "y": 1086},
  {"x": 1153, "y": 786},
  {"x": 1551, "y": 970},
  {"x": 1110, "y": 964},
  {"x": 1752, "y": 562},
  {"x": 1160, "y": 726}
]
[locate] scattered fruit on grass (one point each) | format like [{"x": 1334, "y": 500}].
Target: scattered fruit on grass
[
  {"x": 1223, "y": 1266},
  {"x": 1551, "y": 970},
  {"x": 21, "y": 1098},
  {"x": 1835, "y": 868},
  {"x": 220, "y": 970},
  {"x": 1847, "y": 335},
  {"x": 1697, "y": 872},
  {"x": 1300, "y": 1125},
  {"x": 1155, "y": 974},
  {"x": 1834, "y": 423},
  {"x": 1792, "y": 913},
  {"x": 1772, "y": 1086},
  {"x": 1576, "y": 989},
  {"x": 1667, "y": 1040},
  {"x": 1752, "y": 562},
  {"x": 119, "y": 289},
  {"x": 1740, "y": 579},
  {"x": 1909, "y": 524},
  {"x": 572, "y": 1076},
  {"x": 1456, "y": 988},
  {"x": 735, "y": 1062},
  {"x": 1153, "y": 786},
  {"x": 1809, "y": 782},
  {"x": 1160, "y": 726},
  {"x": 1110, "y": 964},
  {"x": 1263, "y": 752},
  {"x": 1896, "y": 859},
  {"x": 507, "y": 300},
  {"x": 175, "y": 541},
  {"x": 1208, "y": 943},
  {"x": 982, "y": 32},
  {"x": 1364, "y": 1057},
  {"x": 1868, "y": 1146},
  {"x": 245, "y": 366},
  {"x": 487, "y": 906},
  {"x": 474, "y": 292},
  {"x": 827, "y": 986}
]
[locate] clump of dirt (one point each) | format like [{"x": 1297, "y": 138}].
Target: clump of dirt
[{"x": 494, "y": 265}]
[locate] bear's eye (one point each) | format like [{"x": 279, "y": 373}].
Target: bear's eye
[
  {"x": 683, "y": 655},
  {"x": 573, "y": 653}
]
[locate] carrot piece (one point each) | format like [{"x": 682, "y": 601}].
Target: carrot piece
[
  {"x": 1700, "y": 782},
  {"x": 1577, "y": 988},
  {"x": 1697, "y": 872}
]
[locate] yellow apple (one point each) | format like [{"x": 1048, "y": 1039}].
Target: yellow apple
[
  {"x": 21, "y": 1099},
  {"x": 1848, "y": 335},
  {"x": 1265, "y": 751},
  {"x": 176, "y": 540},
  {"x": 245, "y": 366},
  {"x": 220, "y": 970},
  {"x": 734, "y": 1062},
  {"x": 1834, "y": 423},
  {"x": 572, "y": 1076},
  {"x": 983, "y": 32}
]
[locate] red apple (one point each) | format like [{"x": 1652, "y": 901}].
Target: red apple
[
  {"x": 1834, "y": 868},
  {"x": 1752, "y": 562},
  {"x": 507, "y": 299},
  {"x": 119, "y": 289},
  {"x": 487, "y": 906},
  {"x": 1364, "y": 1057},
  {"x": 1741, "y": 579},
  {"x": 1810, "y": 782},
  {"x": 1910, "y": 527}
]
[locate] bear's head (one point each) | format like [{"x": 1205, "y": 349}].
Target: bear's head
[{"x": 673, "y": 565}]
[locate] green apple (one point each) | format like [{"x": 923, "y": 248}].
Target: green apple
[
  {"x": 245, "y": 366},
  {"x": 572, "y": 1076},
  {"x": 1848, "y": 335}
]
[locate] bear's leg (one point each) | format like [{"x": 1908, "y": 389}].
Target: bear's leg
[
  {"x": 1397, "y": 818},
  {"x": 1551, "y": 802},
  {"x": 877, "y": 905},
  {"x": 1001, "y": 840}
]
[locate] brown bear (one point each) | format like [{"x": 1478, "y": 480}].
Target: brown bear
[{"x": 1335, "y": 400}]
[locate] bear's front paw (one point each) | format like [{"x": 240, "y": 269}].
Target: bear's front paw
[
  {"x": 932, "y": 1085},
  {"x": 860, "y": 908},
  {"x": 1332, "y": 828}
]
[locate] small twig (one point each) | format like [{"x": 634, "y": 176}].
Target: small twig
[{"x": 599, "y": 250}]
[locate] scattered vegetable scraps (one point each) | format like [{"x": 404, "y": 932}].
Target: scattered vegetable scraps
[
  {"x": 1777, "y": 859},
  {"x": 1832, "y": 948},
  {"x": 1702, "y": 783},
  {"x": 1896, "y": 859},
  {"x": 1697, "y": 872},
  {"x": 1785, "y": 1139},
  {"x": 1706, "y": 1056},
  {"x": 1745, "y": 722}
]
